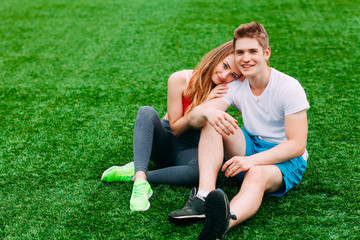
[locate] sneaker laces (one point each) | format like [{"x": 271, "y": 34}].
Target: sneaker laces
[
  {"x": 190, "y": 199},
  {"x": 139, "y": 190},
  {"x": 188, "y": 202}
]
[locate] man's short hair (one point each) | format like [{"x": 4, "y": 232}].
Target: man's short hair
[{"x": 252, "y": 30}]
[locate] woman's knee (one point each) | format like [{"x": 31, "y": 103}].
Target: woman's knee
[{"x": 146, "y": 113}]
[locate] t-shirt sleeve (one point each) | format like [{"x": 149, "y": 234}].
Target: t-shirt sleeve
[
  {"x": 294, "y": 98},
  {"x": 229, "y": 96}
]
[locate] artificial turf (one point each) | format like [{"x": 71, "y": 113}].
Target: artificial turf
[{"x": 74, "y": 73}]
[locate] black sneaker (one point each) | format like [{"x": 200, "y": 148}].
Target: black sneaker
[
  {"x": 193, "y": 210},
  {"x": 217, "y": 211}
]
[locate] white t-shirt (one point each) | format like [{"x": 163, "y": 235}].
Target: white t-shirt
[{"x": 264, "y": 115}]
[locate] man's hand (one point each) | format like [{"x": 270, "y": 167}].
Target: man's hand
[
  {"x": 221, "y": 121},
  {"x": 237, "y": 164}
]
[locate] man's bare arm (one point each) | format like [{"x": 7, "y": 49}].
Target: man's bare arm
[
  {"x": 214, "y": 113},
  {"x": 296, "y": 128}
]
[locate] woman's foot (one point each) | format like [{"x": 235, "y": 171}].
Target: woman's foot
[
  {"x": 119, "y": 174},
  {"x": 141, "y": 193}
]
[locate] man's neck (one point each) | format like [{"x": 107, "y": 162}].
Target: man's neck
[{"x": 259, "y": 82}]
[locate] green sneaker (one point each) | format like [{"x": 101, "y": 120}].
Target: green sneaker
[
  {"x": 119, "y": 174},
  {"x": 141, "y": 193}
]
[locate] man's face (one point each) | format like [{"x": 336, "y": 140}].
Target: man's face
[{"x": 250, "y": 56}]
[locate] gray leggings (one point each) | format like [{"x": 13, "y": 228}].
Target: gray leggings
[{"x": 175, "y": 157}]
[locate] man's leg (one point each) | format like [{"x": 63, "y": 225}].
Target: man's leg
[
  {"x": 217, "y": 208},
  {"x": 218, "y": 211},
  {"x": 257, "y": 181},
  {"x": 211, "y": 155}
]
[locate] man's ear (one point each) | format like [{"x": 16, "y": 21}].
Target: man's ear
[{"x": 267, "y": 53}]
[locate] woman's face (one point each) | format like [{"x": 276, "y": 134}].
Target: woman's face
[{"x": 226, "y": 71}]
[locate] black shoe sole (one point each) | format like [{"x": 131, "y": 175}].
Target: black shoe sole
[
  {"x": 217, "y": 205},
  {"x": 185, "y": 221}
]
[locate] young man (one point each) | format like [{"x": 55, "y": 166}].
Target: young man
[{"x": 269, "y": 155}]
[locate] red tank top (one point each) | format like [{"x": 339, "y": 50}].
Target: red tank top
[{"x": 186, "y": 102}]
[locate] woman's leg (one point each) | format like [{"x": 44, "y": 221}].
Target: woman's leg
[
  {"x": 150, "y": 140},
  {"x": 185, "y": 173}
]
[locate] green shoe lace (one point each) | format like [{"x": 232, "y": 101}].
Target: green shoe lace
[{"x": 140, "y": 195}]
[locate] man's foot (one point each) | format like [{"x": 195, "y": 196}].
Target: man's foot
[
  {"x": 141, "y": 193},
  {"x": 119, "y": 174},
  {"x": 192, "y": 211},
  {"x": 217, "y": 211}
]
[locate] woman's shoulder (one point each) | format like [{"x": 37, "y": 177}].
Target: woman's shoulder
[{"x": 180, "y": 77}]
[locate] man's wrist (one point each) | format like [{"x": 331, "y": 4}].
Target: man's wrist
[{"x": 253, "y": 159}]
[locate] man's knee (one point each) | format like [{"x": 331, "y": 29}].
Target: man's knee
[
  {"x": 269, "y": 176},
  {"x": 208, "y": 130},
  {"x": 259, "y": 174},
  {"x": 207, "y": 127},
  {"x": 254, "y": 173}
]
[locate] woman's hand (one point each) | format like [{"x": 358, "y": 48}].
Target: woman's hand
[{"x": 217, "y": 92}]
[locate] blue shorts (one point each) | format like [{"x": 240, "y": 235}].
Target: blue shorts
[{"x": 292, "y": 169}]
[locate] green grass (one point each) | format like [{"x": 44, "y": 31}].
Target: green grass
[{"x": 74, "y": 73}]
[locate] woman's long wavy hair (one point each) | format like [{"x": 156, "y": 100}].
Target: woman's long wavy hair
[{"x": 201, "y": 82}]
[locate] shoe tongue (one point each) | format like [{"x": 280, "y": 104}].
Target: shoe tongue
[
  {"x": 139, "y": 180},
  {"x": 200, "y": 197}
]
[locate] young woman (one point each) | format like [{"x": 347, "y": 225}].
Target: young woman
[{"x": 170, "y": 143}]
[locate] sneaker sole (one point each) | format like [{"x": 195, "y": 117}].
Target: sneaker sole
[
  {"x": 107, "y": 170},
  {"x": 218, "y": 198},
  {"x": 186, "y": 219},
  {"x": 147, "y": 207}
]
